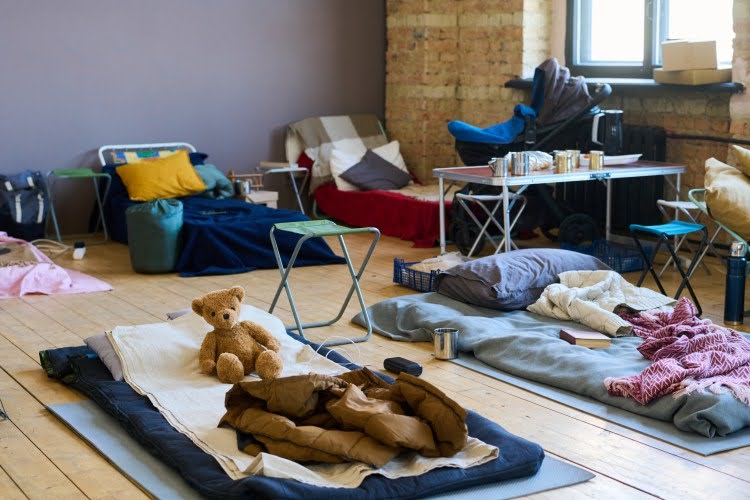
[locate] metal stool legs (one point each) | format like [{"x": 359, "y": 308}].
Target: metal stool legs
[
  {"x": 355, "y": 275},
  {"x": 649, "y": 265}
]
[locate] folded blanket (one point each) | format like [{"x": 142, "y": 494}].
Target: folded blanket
[
  {"x": 160, "y": 361},
  {"x": 592, "y": 297},
  {"x": 689, "y": 354}
]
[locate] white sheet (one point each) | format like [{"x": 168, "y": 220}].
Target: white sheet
[{"x": 160, "y": 361}]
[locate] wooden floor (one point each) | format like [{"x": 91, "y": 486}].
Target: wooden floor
[{"x": 40, "y": 457}]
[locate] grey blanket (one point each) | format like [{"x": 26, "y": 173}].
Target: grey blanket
[{"x": 528, "y": 345}]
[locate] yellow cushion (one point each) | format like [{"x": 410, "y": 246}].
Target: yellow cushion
[
  {"x": 743, "y": 159},
  {"x": 169, "y": 177},
  {"x": 728, "y": 196}
]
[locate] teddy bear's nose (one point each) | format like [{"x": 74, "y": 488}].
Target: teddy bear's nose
[{"x": 226, "y": 316}]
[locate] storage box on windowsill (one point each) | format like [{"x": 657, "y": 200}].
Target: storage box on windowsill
[
  {"x": 694, "y": 76},
  {"x": 681, "y": 55}
]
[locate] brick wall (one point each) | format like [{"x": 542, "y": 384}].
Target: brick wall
[{"x": 449, "y": 60}]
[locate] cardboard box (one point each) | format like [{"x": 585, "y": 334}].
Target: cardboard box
[
  {"x": 680, "y": 55},
  {"x": 694, "y": 76}
]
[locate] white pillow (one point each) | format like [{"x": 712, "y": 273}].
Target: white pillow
[
  {"x": 391, "y": 152},
  {"x": 341, "y": 161}
]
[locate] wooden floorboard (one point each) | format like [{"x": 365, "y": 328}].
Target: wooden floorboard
[{"x": 51, "y": 460}]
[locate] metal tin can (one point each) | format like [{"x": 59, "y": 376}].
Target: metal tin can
[
  {"x": 563, "y": 162},
  {"x": 520, "y": 163},
  {"x": 575, "y": 157},
  {"x": 596, "y": 160},
  {"x": 499, "y": 167},
  {"x": 445, "y": 343}
]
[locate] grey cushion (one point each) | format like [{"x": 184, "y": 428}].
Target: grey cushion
[
  {"x": 375, "y": 172},
  {"x": 101, "y": 345},
  {"x": 512, "y": 280}
]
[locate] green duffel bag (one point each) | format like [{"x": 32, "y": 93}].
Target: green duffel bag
[{"x": 154, "y": 238}]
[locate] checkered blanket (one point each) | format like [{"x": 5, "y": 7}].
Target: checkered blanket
[{"x": 317, "y": 137}]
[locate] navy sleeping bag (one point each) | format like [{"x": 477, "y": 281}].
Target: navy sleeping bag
[{"x": 84, "y": 371}]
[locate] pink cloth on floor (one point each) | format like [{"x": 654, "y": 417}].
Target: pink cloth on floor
[
  {"x": 45, "y": 277},
  {"x": 688, "y": 353}
]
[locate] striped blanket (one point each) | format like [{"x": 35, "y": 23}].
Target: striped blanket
[
  {"x": 689, "y": 354},
  {"x": 317, "y": 137}
]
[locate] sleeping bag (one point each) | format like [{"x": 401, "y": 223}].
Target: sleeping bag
[{"x": 154, "y": 235}]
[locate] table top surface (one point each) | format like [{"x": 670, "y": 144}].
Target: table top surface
[{"x": 483, "y": 174}]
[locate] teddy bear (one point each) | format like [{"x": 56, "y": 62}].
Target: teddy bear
[{"x": 235, "y": 349}]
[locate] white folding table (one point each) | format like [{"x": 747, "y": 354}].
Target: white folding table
[{"x": 483, "y": 175}]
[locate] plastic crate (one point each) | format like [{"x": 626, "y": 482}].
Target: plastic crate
[
  {"x": 417, "y": 280},
  {"x": 620, "y": 258}
]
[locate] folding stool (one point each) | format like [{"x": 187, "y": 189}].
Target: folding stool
[
  {"x": 686, "y": 208},
  {"x": 480, "y": 200},
  {"x": 314, "y": 229},
  {"x": 664, "y": 232}
]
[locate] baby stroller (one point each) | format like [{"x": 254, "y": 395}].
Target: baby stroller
[{"x": 559, "y": 117}]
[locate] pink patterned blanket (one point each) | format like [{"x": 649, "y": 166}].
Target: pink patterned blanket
[{"x": 688, "y": 353}]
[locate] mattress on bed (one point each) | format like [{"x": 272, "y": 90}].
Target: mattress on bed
[
  {"x": 80, "y": 368},
  {"x": 528, "y": 345},
  {"x": 393, "y": 213},
  {"x": 227, "y": 236}
]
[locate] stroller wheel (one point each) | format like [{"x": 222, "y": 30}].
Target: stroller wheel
[
  {"x": 464, "y": 235},
  {"x": 577, "y": 228}
]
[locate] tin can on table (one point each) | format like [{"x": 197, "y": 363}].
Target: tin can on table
[
  {"x": 596, "y": 160},
  {"x": 499, "y": 167},
  {"x": 575, "y": 157},
  {"x": 563, "y": 162},
  {"x": 520, "y": 163}
]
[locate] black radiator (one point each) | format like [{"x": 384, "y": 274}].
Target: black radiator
[{"x": 633, "y": 200}]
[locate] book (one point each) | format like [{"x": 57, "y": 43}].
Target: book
[{"x": 586, "y": 338}]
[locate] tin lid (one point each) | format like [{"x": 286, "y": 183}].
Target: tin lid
[{"x": 737, "y": 249}]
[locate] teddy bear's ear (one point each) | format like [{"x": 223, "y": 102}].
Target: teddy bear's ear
[
  {"x": 238, "y": 292},
  {"x": 198, "y": 307}
]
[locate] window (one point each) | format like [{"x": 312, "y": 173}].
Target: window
[{"x": 617, "y": 38}]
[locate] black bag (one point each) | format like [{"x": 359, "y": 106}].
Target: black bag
[{"x": 23, "y": 205}]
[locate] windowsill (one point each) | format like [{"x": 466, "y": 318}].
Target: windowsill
[{"x": 639, "y": 84}]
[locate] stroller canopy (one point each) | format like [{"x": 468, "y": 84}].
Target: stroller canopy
[{"x": 555, "y": 96}]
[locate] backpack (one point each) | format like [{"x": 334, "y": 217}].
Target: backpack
[{"x": 24, "y": 204}]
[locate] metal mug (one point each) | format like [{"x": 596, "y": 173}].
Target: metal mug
[
  {"x": 499, "y": 167},
  {"x": 445, "y": 341},
  {"x": 563, "y": 162},
  {"x": 242, "y": 187},
  {"x": 575, "y": 157}
]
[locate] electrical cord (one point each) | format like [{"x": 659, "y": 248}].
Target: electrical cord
[{"x": 51, "y": 247}]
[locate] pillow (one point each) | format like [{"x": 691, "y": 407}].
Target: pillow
[
  {"x": 136, "y": 156},
  {"x": 728, "y": 196},
  {"x": 512, "y": 280},
  {"x": 375, "y": 172},
  {"x": 340, "y": 162},
  {"x": 170, "y": 177},
  {"x": 391, "y": 153},
  {"x": 101, "y": 345}
]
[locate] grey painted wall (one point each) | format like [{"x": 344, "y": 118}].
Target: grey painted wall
[{"x": 225, "y": 75}]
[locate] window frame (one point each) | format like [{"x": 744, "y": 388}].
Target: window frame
[{"x": 654, "y": 31}]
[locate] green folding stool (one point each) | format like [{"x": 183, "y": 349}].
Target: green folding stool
[
  {"x": 80, "y": 173},
  {"x": 314, "y": 229}
]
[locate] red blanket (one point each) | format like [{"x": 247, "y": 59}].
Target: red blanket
[
  {"x": 688, "y": 353},
  {"x": 393, "y": 213}
]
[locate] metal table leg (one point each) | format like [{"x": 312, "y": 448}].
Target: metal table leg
[
  {"x": 506, "y": 217},
  {"x": 441, "y": 210},
  {"x": 608, "y": 217}
]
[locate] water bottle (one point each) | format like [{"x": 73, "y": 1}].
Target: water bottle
[{"x": 734, "y": 300}]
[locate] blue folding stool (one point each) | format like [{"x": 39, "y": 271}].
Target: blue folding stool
[
  {"x": 664, "y": 232},
  {"x": 314, "y": 229}
]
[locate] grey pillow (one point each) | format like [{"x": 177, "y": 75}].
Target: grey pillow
[
  {"x": 375, "y": 172},
  {"x": 101, "y": 345},
  {"x": 512, "y": 280}
]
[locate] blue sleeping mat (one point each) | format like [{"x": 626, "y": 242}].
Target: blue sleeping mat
[
  {"x": 223, "y": 236},
  {"x": 80, "y": 368}
]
